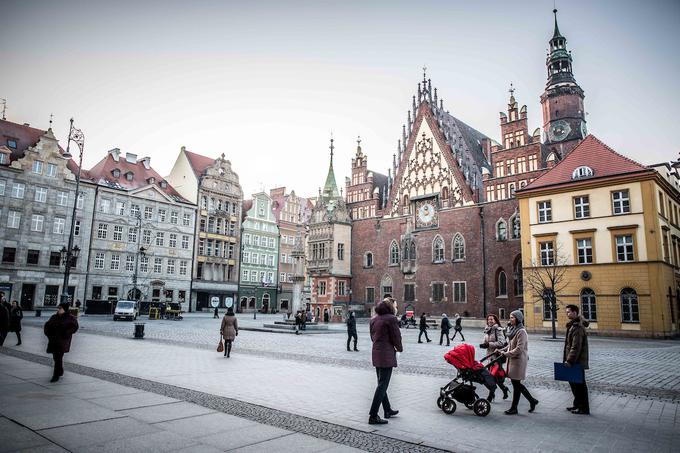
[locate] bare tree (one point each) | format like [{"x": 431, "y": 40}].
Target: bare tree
[{"x": 546, "y": 279}]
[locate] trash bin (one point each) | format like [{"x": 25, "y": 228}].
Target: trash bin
[{"x": 139, "y": 330}]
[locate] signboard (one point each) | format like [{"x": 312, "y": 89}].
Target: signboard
[
  {"x": 229, "y": 302},
  {"x": 214, "y": 302}
]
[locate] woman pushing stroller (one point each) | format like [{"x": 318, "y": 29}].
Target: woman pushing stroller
[{"x": 494, "y": 339}]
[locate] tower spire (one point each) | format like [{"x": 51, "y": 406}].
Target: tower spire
[
  {"x": 332, "y": 148},
  {"x": 556, "y": 33}
]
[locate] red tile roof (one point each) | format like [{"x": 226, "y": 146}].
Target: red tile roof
[
  {"x": 198, "y": 163},
  {"x": 591, "y": 152},
  {"x": 102, "y": 173}
]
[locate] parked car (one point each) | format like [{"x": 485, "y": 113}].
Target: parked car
[{"x": 126, "y": 309}]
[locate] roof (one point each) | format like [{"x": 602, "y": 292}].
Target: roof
[
  {"x": 471, "y": 137},
  {"x": 198, "y": 163},
  {"x": 102, "y": 174},
  {"x": 245, "y": 207},
  {"x": 593, "y": 153}
]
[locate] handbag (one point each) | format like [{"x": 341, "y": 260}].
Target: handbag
[{"x": 220, "y": 346}]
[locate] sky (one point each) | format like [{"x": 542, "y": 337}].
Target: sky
[{"x": 267, "y": 82}]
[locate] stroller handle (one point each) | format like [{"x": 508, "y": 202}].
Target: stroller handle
[{"x": 491, "y": 362}]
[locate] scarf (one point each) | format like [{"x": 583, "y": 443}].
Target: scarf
[{"x": 512, "y": 330}]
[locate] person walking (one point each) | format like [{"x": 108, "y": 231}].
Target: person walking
[
  {"x": 352, "y": 330},
  {"x": 386, "y": 338},
  {"x": 517, "y": 355},
  {"x": 216, "y": 313},
  {"x": 576, "y": 352},
  {"x": 229, "y": 330},
  {"x": 458, "y": 328},
  {"x": 59, "y": 330},
  {"x": 494, "y": 339},
  {"x": 423, "y": 329},
  {"x": 4, "y": 322},
  {"x": 446, "y": 328},
  {"x": 15, "y": 317}
]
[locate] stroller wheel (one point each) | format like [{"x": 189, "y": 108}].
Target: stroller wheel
[
  {"x": 449, "y": 406},
  {"x": 482, "y": 407},
  {"x": 440, "y": 400}
]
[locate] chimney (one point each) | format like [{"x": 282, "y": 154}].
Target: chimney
[
  {"x": 131, "y": 158},
  {"x": 115, "y": 154},
  {"x": 146, "y": 161}
]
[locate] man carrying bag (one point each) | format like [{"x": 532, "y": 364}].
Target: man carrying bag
[{"x": 576, "y": 356}]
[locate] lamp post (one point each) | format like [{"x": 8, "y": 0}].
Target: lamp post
[
  {"x": 140, "y": 251},
  {"x": 69, "y": 253}
]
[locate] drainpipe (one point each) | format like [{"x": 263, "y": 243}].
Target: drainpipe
[{"x": 481, "y": 223}]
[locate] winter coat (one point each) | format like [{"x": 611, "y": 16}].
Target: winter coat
[
  {"x": 495, "y": 338},
  {"x": 229, "y": 328},
  {"x": 59, "y": 329},
  {"x": 517, "y": 353},
  {"x": 386, "y": 337},
  {"x": 423, "y": 323},
  {"x": 4, "y": 318},
  {"x": 458, "y": 327},
  {"x": 445, "y": 325},
  {"x": 15, "y": 317},
  {"x": 352, "y": 325},
  {"x": 576, "y": 343}
]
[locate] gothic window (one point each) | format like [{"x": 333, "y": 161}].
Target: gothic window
[
  {"x": 445, "y": 193},
  {"x": 438, "y": 249},
  {"x": 517, "y": 276},
  {"x": 386, "y": 286},
  {"x": 412, "y": 249},
  {"x": 501, "y": 230},
  {"x": 501, "y": 284},
  {"x": 394, "y": 253},
  {"x": 515, "y": 226},
  {"x": 458, "y": 248},
  {"x": 368, "y": 259}
]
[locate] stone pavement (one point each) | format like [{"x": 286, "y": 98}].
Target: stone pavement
[{"x": 319, "y": 393}]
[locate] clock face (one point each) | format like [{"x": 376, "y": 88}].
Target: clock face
[
  {"x": 426, "y": 214},
  {"x": 558, "y": 131}
]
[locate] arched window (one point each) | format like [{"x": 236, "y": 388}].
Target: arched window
[
  {"x": 394, "y": 253},
  {"x": 412, "y": 249},
  {"x": 368, "y": 259},
  {"x": 517, "y": 276},
  {"x": 405, "y": 201},
  {"x": 588, "y": 307},
  {"x": 458, "y": 248},
  {"x": 386, "y": 286},
  {"x": 438, "y": 249},
  {"x": 501, "y": 230},
  {"x": 501, "y": 284},
  {"x": 630, "y": 311},
  {"x": 445, "y": 193},
  {"x": 514, "y": 227}
]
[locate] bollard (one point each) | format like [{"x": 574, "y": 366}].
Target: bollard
[{"x": 139, "y": 330}]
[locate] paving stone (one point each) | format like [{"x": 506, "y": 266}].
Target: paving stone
[
  {"x": 135, "y": 400},
  {"x": 205, "y": 425},
  {"x": 165, "y": 412},
  {"x": 235, "y": 438},
  {"x": 161, "y": 441},
  {"x": 75, "y": 436},
  {"x": 15, "y": 437}
]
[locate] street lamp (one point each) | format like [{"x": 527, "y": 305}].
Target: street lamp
[{"x": 69, "y": 253}]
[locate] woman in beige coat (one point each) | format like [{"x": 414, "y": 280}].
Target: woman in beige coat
[
  {"x": 517, "y": 354},
  {"x": 229, "y": 330}
]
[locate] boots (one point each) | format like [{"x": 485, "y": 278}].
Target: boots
[
  {"x": 18, "y": 339},
  {"x": 228, "y": 349}
]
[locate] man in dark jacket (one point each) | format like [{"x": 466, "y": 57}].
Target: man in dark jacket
[
  {"x": 59, "y": 329},
  {"x": 423, "y": 329},
  {"x": 352, "y": 330},
  {"x": 15, "y": 317},
  {"x": 386, "y": 337},
  {"x": 458, "y": 328},
  {"x": 576, "y": 352},
  {"x": 446, "y": 328},
  {"x": 4, "y": 322}
]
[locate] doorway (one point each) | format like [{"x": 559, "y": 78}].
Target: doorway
[{"x": 27, "y": 296}]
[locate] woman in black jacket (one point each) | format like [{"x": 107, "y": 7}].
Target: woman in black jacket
[
  {"x": 59, "y": 330},
  {"x": 15, "y": 317},
  {"x": 352, "y": 330}
]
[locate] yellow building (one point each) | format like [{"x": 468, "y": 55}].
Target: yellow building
[{"x": 609, "y": 226}]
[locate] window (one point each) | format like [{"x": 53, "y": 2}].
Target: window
[
  {"x": 186, "y": 219},
  {"x": 115, "y": 262},
  {"x": 246, "y": 239},
  {"x": 162, "y": 214},
  {"x": 130, "y": 263},
  {"x": 438, "y": 250},
  {"x": 581, "y": 207},
  {"x": 437, "y": 292},
  {"x": 105, "y": 206},
  {"x": 37, "y": 166},
  {"x": 12, "y": 143},
  {"x": 157, "y": 265},
  {"x": 244, "y": 275},
  {"x": 174, "y": 216},
  {"x": 117, "y": 233},
  {"x": 544, "y": 211},
  {"x": 58, "y": 225},
  {"x": 146, "y": 237},
  {"x": 533, "y": 162},
  {"x": 370, "y": 295},
  {"x": 256, "y": 241},
  {"x": 62, "y": 198},
  {"x": 501, "y": 230},
  {"x": 629, "y": 305},
  {"x": 588, "y": 308},
  {"x": 18, "y": 190},
  {"x": 368, "y": 260},
  {"x": 132, "y": 235},
  {"x": 582, "y": 172},
  {"x": 502, "y": 285},
  {"x": 341, "y": 252},
  {"x": 272, "y": 244},
  {"x": 515, "y": 227},
  {"x": 76, "y": 228},
  {"x": 620, "y": 202},
  {"x": 3, "y": 159},
  {"x": 134, "y": 210},
  {"x": 394, "y": 253},
  {"x": 547, "y": 312},
  {"x": 81, "y": 201},
  {"x": 144, "y": 264},
  {"x": 37, "y": 222},
  {"x": 322, "y": 288},
  {"x": 183, "y": 267},
  {"x": 55, "y": 259},
  {"x": 102, "y": 230},
  {"x": 40, "y": 194},
  {"x": 270, "y": 260},
  {"x": 517, "y": 277},
  {"x": 171, "y": 266},
  {"x": 341, "y": 288},
  {"x": 547, "y": 253},
  {"x": 459, "y": 291},
  {"x": 9, "y": 254},
  {"x": 185, "y": 242},
  {"x": 624, "y": 248},
  {"x": 120, "y": 208},
  {"x": 458, "y": 248},
  {"x": 584, "y": 251},
  {"x": 99, "y": 260},
  {"x": 33, "y": 257},
  {"x": 409, "y": 292},
  {"x": 13, "y": 219},
  {"x": 172, "y": 242},
  {"x": 148, "y": 213}
]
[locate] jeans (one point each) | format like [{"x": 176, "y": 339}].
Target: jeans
[
  {"x": 580, "y": 392},
  {"x": 444, "y": 334},
  {"x": 349, "y": 337},
  {"x": 58, "y": 363},
  {"x": 380, "y": 395},
  {"x": 423, "y": 331},
  {"x": 456, "y": 332},
  {"x": 518, "y": 389}
]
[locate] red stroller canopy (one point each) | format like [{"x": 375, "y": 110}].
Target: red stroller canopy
[{"x": 463, "y": 357}]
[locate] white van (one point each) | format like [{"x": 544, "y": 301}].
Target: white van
[{"x": 126, "y": 309}]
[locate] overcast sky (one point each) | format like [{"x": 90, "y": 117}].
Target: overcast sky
[{"x": 265, "y": 82}]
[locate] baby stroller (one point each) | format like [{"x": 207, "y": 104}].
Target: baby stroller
[{"x": 461, "y": 388}]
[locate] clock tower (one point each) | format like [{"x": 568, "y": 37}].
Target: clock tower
[{"x": 564, "y": 124}]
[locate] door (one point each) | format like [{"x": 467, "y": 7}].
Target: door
[{"x": 27, "y": 296}]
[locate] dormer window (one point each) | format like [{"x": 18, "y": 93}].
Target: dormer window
[
  {"x": 129, "y": 176},
  {"x": 116, "y": 173},
  {"x": 164, "y": 184},
  {"x": 582, "y": 172},
  {"x": 151, "y": 180},
  {"x": 12, "y": 143}
]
